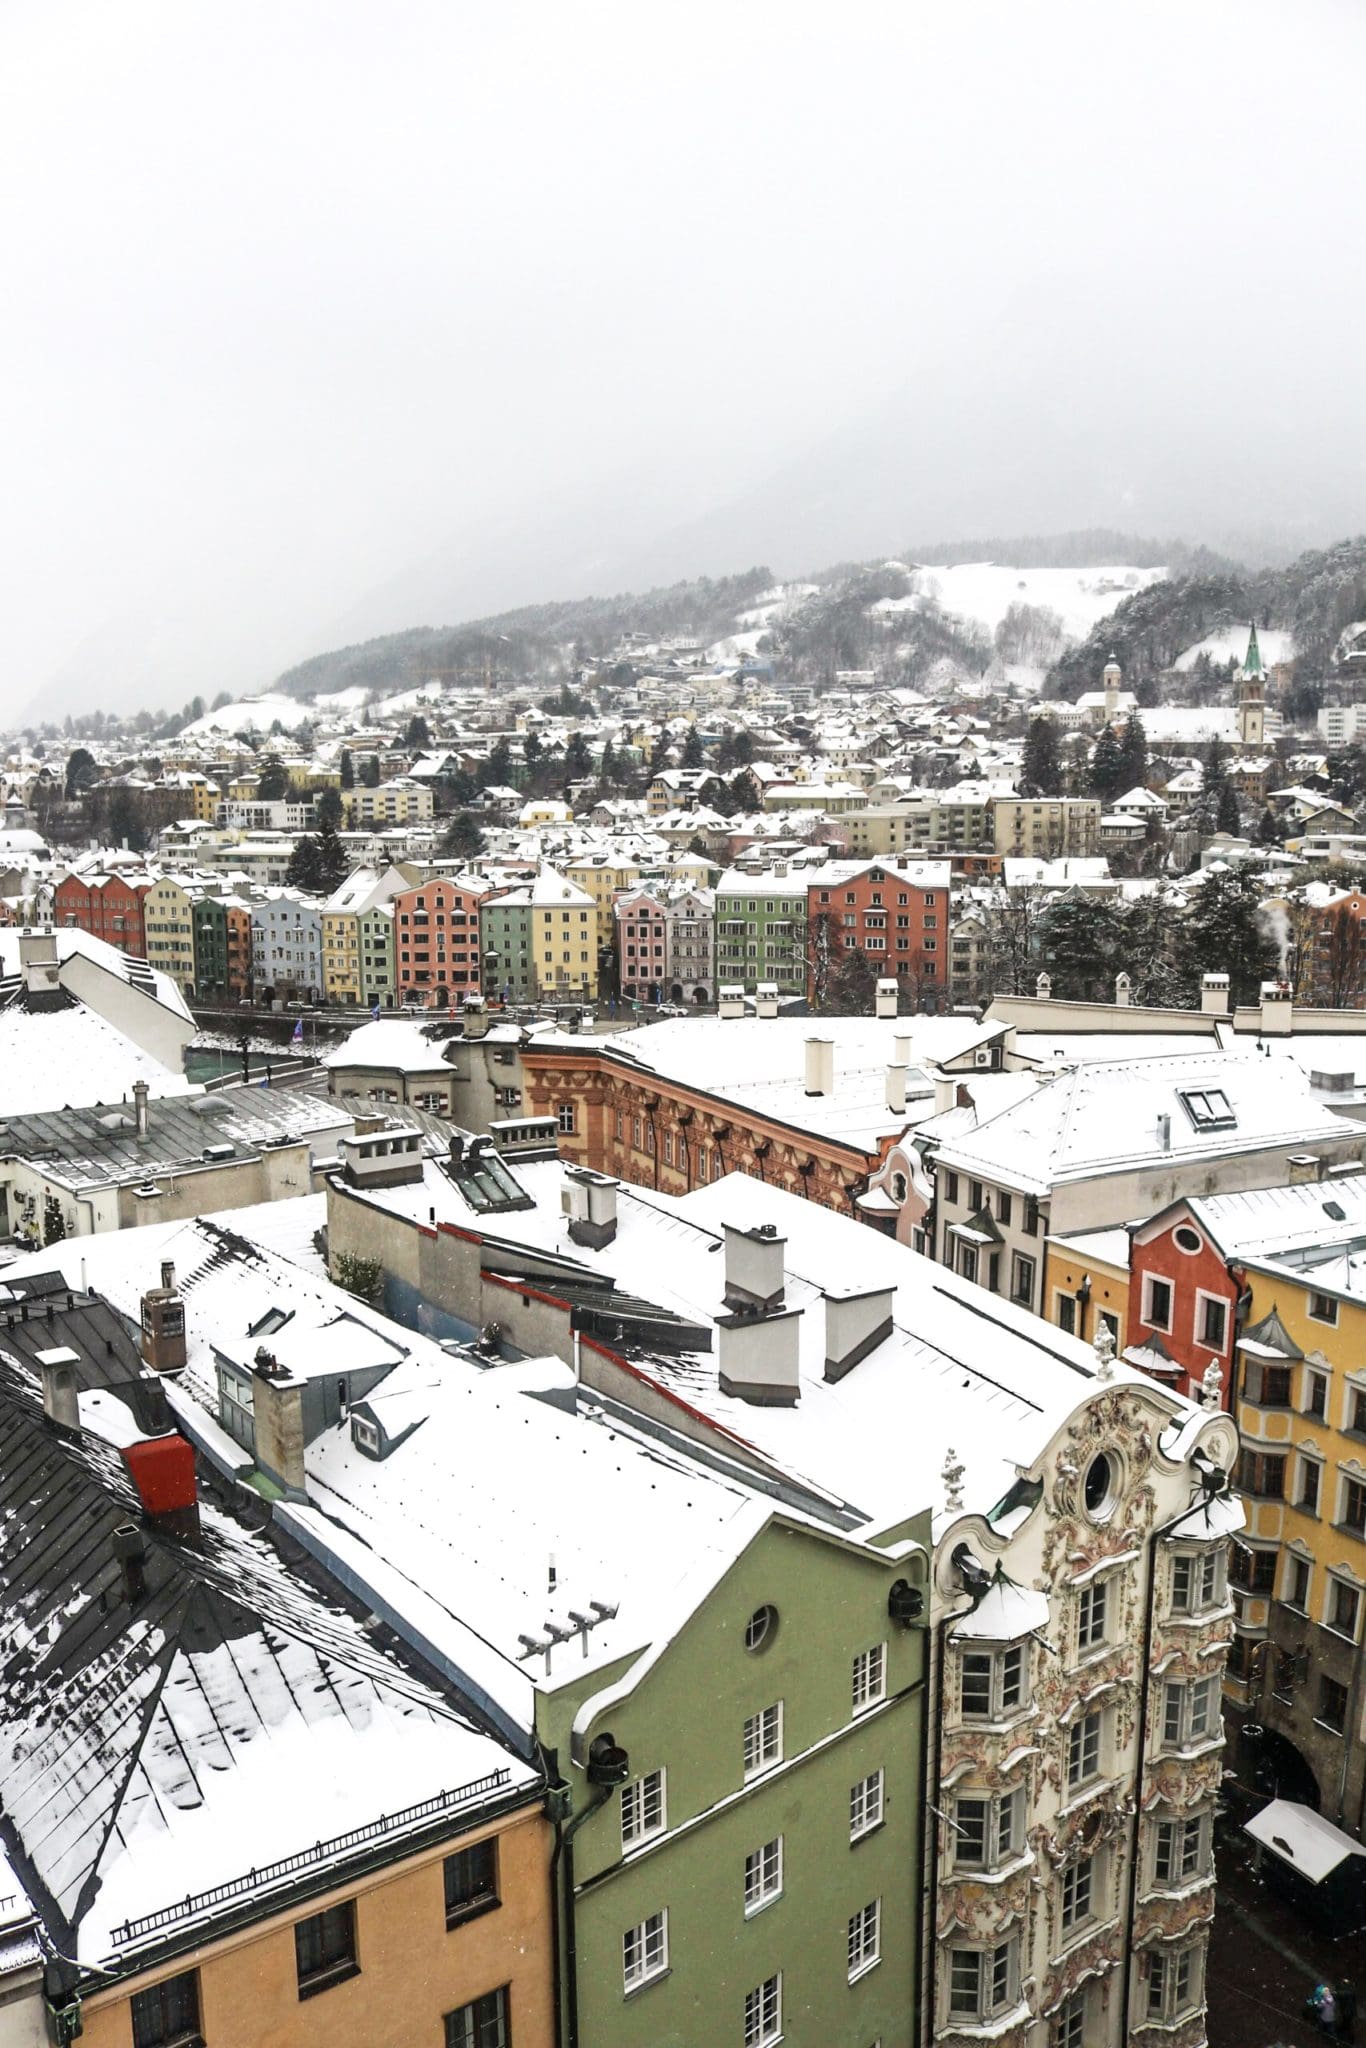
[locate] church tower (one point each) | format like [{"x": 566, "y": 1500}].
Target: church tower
[
  {"x": 1111, "y": 678},
  {"x": 1252, "y": 694}
]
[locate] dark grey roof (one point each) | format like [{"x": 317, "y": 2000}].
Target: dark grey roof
[
  {"x": 113, "y": 1701},
  {"x": 100, "y": 1144}
]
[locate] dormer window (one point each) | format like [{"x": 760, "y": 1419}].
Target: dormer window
[
  {"x": 365, "y": 1435},
  {"x": 1209, "y": 1109}
]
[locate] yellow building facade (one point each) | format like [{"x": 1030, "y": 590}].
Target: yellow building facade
[
  {"x": 168, "y": 927},
  {"x": 1085, "y": 1279},
  {"x": 602, "y": 878},
  {"x": 1297, "y": 1690},
  {"x": 415, "y": 1963},
  {"x": 564, "y": 945}
]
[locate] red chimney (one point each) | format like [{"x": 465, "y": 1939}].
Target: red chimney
[{"x": 162, "y": 1469}]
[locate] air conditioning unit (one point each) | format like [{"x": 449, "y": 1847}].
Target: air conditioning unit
[{"x": 982, "y": 1057}]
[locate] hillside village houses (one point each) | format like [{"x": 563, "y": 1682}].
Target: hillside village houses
[{"x": 894, "y": 1403}]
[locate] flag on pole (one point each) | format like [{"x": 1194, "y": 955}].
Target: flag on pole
[
  {"x": 374, "y": 1012},
  {"x": 298, "y": 1037}
]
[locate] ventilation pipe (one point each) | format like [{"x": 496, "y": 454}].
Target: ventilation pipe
[{"x": 140, "y": 1107}]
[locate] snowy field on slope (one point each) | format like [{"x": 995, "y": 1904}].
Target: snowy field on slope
[
  {"x": 984, "y": 592},
  {"x": 1231, "y": 645},
  {"x": 251, "y": 714}
]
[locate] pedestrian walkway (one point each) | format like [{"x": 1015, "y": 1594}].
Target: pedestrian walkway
[{"x": 1264, "y": 1960}]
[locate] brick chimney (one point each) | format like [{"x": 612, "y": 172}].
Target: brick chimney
[{"x": 162, "y": 1341}]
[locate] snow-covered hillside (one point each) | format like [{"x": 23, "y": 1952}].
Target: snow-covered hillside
[
  {"x": 1230, "y": 644},
  {"x": 252, "y": 714},
  {"x": 985, "y": 591}
]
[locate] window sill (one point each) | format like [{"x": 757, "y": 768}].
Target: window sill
[
  {"x": 1186, "y": 1890},
  {"x": 866, "y": 1834},
  {"x": 646, "y": 1983},
  {"x": 998, "y": 1874},
  {"x": 324, "y": 1980},
  {"x": 762, "y": 1905},
  {"x": 1350, "y": 1529},
  {"x": 460, "y": 1916},
  {"x": 864, "y": 1970},
  {"x": 1328, "y": 1727}
]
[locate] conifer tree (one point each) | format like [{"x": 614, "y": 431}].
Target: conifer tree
[{"x": 1041, "y": 772}]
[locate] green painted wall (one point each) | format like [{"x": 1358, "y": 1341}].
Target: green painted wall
[
  {"x": 775, "y": 926},
  {"x": 687, "y": 1714}
]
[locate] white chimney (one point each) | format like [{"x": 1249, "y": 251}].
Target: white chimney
[
  {"x": 140, "y": 1107},
  {"x": 896, "y": 1090},
  {"x": 1123, "y": 987},
  {"x": 60, "y": 1401},
  {"x": 758, "y": 1357},
  {"x": 855, "y": 1324},
  {"x": 945, "y": 1093},
  {"x": 730, "y": 1002},
  {"x": 38, "y": 961},
  {"x": 1278, "y": 1009},
  {"x": 589, "y": 1200},
  {"x": 766, "y": 999},
  {"x": 885, "y": 1000},
  {"x": 1043, "y": 987},
  {"x": 1214, "y": 995},
  {"x": 1164, "y": 1131},
  {"x": 820, "y": 1066},
  {"x": 1303, "y": 1166},
  {"x": 754, "y": 1267}
]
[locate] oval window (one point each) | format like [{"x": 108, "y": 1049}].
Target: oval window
[
  {"x": 1098, "y": 1487},
  {"x": 1189, "y": 1240},
  {"x": 761, "y": 1628}
]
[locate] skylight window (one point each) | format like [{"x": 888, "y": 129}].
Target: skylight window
[{"x": 1209, "y": 1109}]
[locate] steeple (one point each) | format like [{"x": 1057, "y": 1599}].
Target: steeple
[{"x": 1252, "y": 660}]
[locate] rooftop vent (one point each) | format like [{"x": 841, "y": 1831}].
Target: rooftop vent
[
  {"x": 1214, "y": 995},
  {"x": 589, "y": 1200},
  {"x": 855, "y": 1324},
  {"x": 820, "y": 1066},
  {"x": 885, "y": 997},
  {"x": 754, "y": 1268}
]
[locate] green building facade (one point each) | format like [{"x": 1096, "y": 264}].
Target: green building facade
[
  {"x": 761, "y": 931},
  {"x": 505, "y": 944},
  {"x": 753, "y": 1873},
  {"x": 377, "y": 956}
]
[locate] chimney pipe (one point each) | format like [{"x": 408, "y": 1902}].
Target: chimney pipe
[
  {"x": 855, "y": 1324},
  {"x": 885, "y": 999},
  {"x": 820, "y": 1066},
  {"x": 896, "y": 1090},
  {"x": 1123, "y": 989},
  {"x": 140, "y": 1107},
  {"x": 1214, "y": 995},
  {"x": 945, "y": 1094}
]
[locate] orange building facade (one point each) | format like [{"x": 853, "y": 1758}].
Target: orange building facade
[
  {"x": 660, "y": 1133},
  {"x": 421, "y": 1972}
]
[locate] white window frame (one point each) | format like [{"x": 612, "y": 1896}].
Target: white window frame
[
  {"x": 1330, "y": 1302},
  {"x": 764, "y": 2013},
  {"x": 1001, "y": 1657},
  {"x": 999, "y": 1962},
  {"x": 763, "y": 1740},
  {"x": 869, "y": 1678},
  {"x": 1078, "y": 1747},
  {"x": 645, "y": 1951},
  {"x": 1183, "y": 1842},
  {"x": 644, "y": 1808},
  {"x": 1067, "y": 2028},
  {"x": 1205, "y": 1571},
  {"x": 1184, "y": 1702},
  {"x": 1002, "y": 1829},
  {"x": 763, "y": 1876},
  {"x": 1151, "y": 1280},
  {"x": 1336, "y": 1580},
  {"x": 1174, "y": 2000},
  {"x": 867, "y": 1799},
  {"x": 1093, "y": 1628},
  {"x": 1078, "y": 1888},
  {"x": 864, "y": 1943},
  {"x": 1202, "y": 1295}
]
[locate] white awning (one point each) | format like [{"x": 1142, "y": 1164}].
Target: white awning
[{"x": 1302, "y": 1838}]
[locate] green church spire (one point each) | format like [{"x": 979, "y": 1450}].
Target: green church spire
[{"x": 1252, "y": 660}]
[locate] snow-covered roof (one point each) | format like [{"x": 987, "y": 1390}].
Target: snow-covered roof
[
  {"x": 232, "y": 1719},
  {"x": 1302, "y": 1838},
  {"x": 59, "y": 1059},
  {"x": 760, "y": 1062}
]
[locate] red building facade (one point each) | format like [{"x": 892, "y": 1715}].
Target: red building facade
[
  {"x": 1183, "y": 1302},
  {"x": 436, "y": 944},
  {"x": 896, "y": 914},
  {"x": 106, "y": 906}
]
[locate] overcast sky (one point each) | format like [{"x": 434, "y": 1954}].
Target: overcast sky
[{"x": 326, "y": 319}]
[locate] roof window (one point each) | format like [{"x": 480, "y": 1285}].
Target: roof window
[{"x": 1209, "y": 1109}]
